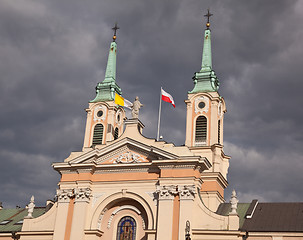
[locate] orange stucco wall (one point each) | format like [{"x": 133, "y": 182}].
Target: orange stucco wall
[
  {"x": 104, "y": 177},
  {"x": 212, "y": 186},
  {"x": 172, "y": 172},
  {"x": 130, "y": 176},
  {"x": 69, "y": 219},
  {"x": 176, "y": 217}
]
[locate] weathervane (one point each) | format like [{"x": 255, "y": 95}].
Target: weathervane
[
  {"x": 208, "y": 15},
  {"x": 115, "y": 28}
]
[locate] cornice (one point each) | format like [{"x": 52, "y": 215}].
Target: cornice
[
  {"x": 215, "y": 176},
  {"x": 215, "y": 232},
  {"x": 194, "y": 162},
  {"x": 99, "y": 155}
]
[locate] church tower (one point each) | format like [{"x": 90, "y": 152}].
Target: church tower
[
  {"x": 204, "y": 125},
  {"x": 105, "y": 118}
]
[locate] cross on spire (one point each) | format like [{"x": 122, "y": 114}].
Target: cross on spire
[
  {"x": 208, "y": 15},
  {"x": 115, "y": 28}
]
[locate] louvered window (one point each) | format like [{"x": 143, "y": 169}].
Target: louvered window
[
  {"x": 219, "y": 131},
  {"x": 116, "y": 134},
  {"x": 98, "y": 134},
  {"x": 201, "y": 130}
]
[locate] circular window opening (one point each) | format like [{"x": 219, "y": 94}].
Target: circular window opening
[
  {"x": 201, "y": 105},
  {"x": 100, "y": 113}
]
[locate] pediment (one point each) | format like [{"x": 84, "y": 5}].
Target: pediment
[{"x": 125, "y": 151}]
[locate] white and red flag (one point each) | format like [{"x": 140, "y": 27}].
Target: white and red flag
[{"x": 166, "y": 97}]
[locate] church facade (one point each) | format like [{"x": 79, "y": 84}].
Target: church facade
[{"x": 123, "y": 185}]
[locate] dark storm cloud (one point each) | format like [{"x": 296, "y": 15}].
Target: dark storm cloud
[{"x": 54, "y": 52}]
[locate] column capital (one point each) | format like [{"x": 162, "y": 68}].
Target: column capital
[
  {"x": 167, "y": 192},
  {"x": 64, "y": 195},
  {"x": 82, "y": 194},
  {"x": 187, "y": 192}
]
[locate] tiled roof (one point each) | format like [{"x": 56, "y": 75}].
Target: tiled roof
[
  {"x": 15, "y": 215},
  {"x": 225, "y": 208},
  {"x": 267, "y": 217},
  {"x": 276, "y": 217}
]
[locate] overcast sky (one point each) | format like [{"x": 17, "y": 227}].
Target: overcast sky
[{"x": 53, "y": 53}]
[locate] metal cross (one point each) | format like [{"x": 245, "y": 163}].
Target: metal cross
[
  {"x": 208, "y": 15},
  {"x": 115, "y": 28}
]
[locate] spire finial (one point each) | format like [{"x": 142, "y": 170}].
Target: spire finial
[
  {"x": 208, "y": 15},
  {"x": 115, "y": 28}
]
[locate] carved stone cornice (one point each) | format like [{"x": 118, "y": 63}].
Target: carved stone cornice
[
  {"x": 187, "y": 192},
  {"x": 82, "y": 194},
  {"x": 167, "y": 192},
  {"x": 64, "y": 195},
  {"x": 129, "y": 157},
  {"x": 206, "y": 102}
]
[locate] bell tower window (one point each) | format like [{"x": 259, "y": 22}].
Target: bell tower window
[
  {"x": 201, "y": 130},
  {"x": 116, "y": 133},
  {"x": 98, "y": 134},
  {"x": 126, "y": 229}
]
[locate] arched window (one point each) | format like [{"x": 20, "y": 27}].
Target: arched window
[
  {"x": 98, "y": 134},
  {"x": 201, "y": 130},
  {"x": 126, "y": 229},
  {"x": 116, "y": 133}
]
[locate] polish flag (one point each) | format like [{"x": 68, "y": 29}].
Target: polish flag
[{"x": 166, "y": 97}]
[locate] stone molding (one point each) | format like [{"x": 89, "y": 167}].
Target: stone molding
[
  {"x": 201, "y": 99},
  {"x": 100, "y": 218},
  {"x": 220, "y": 110},
  {"x": 119, "y": 113},
  {"x": 64, "y": 195},
  {"x": 129, "y": 157},
  {"x": 125, "y": 207},
  {"x": 80, "y": 194},
  {"x": 154, "y": 197},
  {"x": 187, "y": 192},
  {"x": 98, "y": 108},
  {"x": 169, "y": 192}
]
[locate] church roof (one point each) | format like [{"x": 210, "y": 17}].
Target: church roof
[
  {"x": 105, "y": 90},
  {"x": 11, "y": 219},
  {"x": 225, "y": 208},
  {"x": 267, "y": 217}
]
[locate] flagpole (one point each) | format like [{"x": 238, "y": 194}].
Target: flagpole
[{"x": 159, "y": 115}]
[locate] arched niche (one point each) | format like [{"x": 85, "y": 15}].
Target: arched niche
[{"x": 121, "y": 201}]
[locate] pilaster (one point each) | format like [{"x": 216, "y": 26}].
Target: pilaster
[
  {"x": 187, "y": 195},
  {"x": 64, "y": 198},
  {"x": 82, "y": 197},
  {"x": 165, "y": 211}
]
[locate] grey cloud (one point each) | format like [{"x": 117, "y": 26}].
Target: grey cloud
[{"x": 53, "y": 53}]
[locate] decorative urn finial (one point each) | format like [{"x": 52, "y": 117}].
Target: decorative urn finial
[{"x": 234, "y": 202}]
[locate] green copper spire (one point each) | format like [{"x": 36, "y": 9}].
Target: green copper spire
[
  {"x": 106, "y": 90},
  {"x": 206, "y": 80}
]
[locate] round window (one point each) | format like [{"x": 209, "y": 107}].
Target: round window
[
  {"x": 100, "y": 113},
  {"x": 118, "y": 117},
  {"x": 201, "y": 105}
]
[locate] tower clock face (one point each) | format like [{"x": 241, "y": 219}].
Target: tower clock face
[
  {"x": 100, "y": 113},
  {"x": 201, "y": 105}
]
